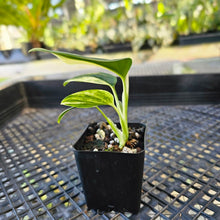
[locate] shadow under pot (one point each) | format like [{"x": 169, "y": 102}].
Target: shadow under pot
[{"x": 111, "y": 180}]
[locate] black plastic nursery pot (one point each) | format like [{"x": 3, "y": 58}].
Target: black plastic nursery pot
[
  {"x": 111, "y": 180},
  {"x": 207, "y": 37}
]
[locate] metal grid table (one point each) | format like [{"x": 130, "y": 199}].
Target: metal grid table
[{"x": 39, "y": 179}]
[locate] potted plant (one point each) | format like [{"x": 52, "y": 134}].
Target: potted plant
[{"x": 109, "y": 156}]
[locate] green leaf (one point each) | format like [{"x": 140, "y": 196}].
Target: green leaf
[
  {"x": 128, "y": 4},
  {"x": 89, "y": 98},
  {"x": 161, "y": 8},
  {"x": 118, "y": 66},
  {"x": 96, "y": 78},
  {"x": 63, "y": 113}
]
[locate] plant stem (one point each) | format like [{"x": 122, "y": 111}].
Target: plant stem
[
  {"x": 117, "y": 131},
  {"x": 125, "y": 95},
  {"x": 117, "y": 102}
]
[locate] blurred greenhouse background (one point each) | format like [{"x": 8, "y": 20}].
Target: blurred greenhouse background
[
  {"x": 164, "y": 36},
  {"x": 95, "y": 25}
]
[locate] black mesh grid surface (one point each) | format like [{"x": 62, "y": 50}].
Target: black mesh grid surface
[{"x": 39, "y": 178}]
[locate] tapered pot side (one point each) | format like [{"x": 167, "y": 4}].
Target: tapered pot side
[{"x": 111, "y": 180}]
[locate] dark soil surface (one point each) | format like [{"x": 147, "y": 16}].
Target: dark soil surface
[{"x": 100, "y": 137}]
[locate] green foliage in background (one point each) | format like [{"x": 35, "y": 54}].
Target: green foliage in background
[
  {"x": 32, "y": 16},
  {"x": 197, "y": 16},
  {"x": 158, "y": 23},
  {"x": 92, "y": 24}
]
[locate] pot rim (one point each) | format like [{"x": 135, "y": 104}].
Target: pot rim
[{"x": 107, "y": 152}]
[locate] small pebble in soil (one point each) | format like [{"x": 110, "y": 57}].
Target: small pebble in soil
[
  {"x": 137, "y": 135},
  {"x": 112, "y": 135},
  {"x": 97, "y": 137},
  {"x": 111, "y": 142},
  {"x": 116, "y": 140},
  {"x": 90, "y": 128},
  {"x": 129, "y": 150},
  {"x": 134, "y": 151},
  {"x": 109, "y": 127},
  {"x": 100, "y": 134},
  {"x": 110, "y": 146}
]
